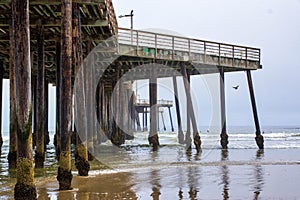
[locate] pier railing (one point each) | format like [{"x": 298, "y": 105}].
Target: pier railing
[
  {"x": 146, "y": 102},
  {"x": 163, "y": 46}
]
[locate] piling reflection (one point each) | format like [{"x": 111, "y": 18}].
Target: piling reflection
[
  {"x": 258, "y": 172},
  {"x": 155, "y": 179},
  {"x": 193, "y": 175},
  {"x": 225, "y": 172},
  {"x": 155, "y": 185}
]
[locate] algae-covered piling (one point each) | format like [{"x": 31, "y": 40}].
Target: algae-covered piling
[
  {"x": 24, "y": 188},
  {"x": 64, "y": 171}
]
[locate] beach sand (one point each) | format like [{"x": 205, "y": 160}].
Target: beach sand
[{"x": 172, "y": 174}]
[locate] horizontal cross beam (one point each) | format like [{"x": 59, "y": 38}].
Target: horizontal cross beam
[
  {"x": 50, "y": 22},
  {"x": 57, "y": 2}
]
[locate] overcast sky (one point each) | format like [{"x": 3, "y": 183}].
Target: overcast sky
[{"x": 272, "y": 25}]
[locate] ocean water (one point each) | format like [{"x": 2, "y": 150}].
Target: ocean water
[{"x": 134, "y": 171}]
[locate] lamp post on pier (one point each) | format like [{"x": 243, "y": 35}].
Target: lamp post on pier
[{"x": 131, "y": 23}]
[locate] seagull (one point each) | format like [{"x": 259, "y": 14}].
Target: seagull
[{"x": 236, "y": 87}]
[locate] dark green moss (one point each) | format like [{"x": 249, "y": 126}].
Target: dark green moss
[
  {"x": 64, "y": 178},
  {"x": 25, "y": 192},
  {"x": 24, "y": 135}
]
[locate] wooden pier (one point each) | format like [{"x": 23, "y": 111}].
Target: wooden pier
[
  {"x": 143, "y": 106},
  {"x": 46, "y": 42}
]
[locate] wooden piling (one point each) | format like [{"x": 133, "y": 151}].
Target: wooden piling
[
  {"x": 46, "y": 113},
  {"x": 172, "y": 127},
  {"x": 25, "y": 187},
  {"x": 34, "y": 103},
  {"x": 40, "y": 103},
  {"x": 58, "y": 104},
  {"x": 153, "y": 134},
  {"x": 144, "y": 117},
  {"x": 259, "y": 138},
  {"x": 178, "y": 114},
  {"x": 12, "y": 155},
  {"x": 163, "y": 121},
  {"x": 81, "y": 152},
  {"x": 88, "y": 70},
  {"x": 223, "y": 135},
  {"x": 146, "y": 120},
  {"x": 64, "y": 176},
  {"x": 197, "y": 140},
  {"x": 1, "y": 88},
  {"x": 118, "y": 137},
  {"x": 188, "y": 139},
  {"x": 98, "y": 113}
]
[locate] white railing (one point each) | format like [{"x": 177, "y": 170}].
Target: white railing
[
  {"x": 158, "y": 45},
  {"x": 146, "y": 102}
]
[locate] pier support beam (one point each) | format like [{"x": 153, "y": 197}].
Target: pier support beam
[
  {"x": 224, "y": 136},
  {"x": 197, "y": 140},
  {"x": 153, "y": 135},
  {"x": 12, "y": 155},
  {"x": 25, "y": 186},
  {"x": 172, "y": 127},
  {"x": 1, "y": 90},
  {"x": 58, "y": 85},
  {"x": 90, "y": 100},
  {"x": 188, "y": 139},
  {"x": 259, "y": 138},
  {"x": 81, "y": 151},
  {"x": 163, "y": 120},
  {"x": 40, "y": 103},
  {"x": 143, "y": 114},
  {"x": 178, "y": 115},
  {"x": 46, "y": 113},
  {"x": 64, "y": 176},
  {"x": 118, "y": 136}
]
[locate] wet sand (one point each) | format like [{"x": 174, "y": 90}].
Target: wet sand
[{"x": 172, "y": 174}]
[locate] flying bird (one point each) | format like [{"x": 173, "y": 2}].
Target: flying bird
[{"x": 236, "y": 87}]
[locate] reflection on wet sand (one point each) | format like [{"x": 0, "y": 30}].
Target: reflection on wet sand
[
  {"x": 155, "y": 185},
  {"x": 194, "y": 178},
  {"x": 105, "y": 186},
  {"x": 155, "y": 179},
  {"x": 258, "y": 172},
  {"x": 225, "y": 177}
]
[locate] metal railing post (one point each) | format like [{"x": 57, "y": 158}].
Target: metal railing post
[
  {"x": 233, "y": 56},
  {"x": 137, "y": 43},
  {"x": 155, "y": 46},
  {"x": 204, "y": 52},
  {"x": 219, "y": 59},
  {"x": 246, "y": 64},
  {"x": 173, "y": 47}
]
